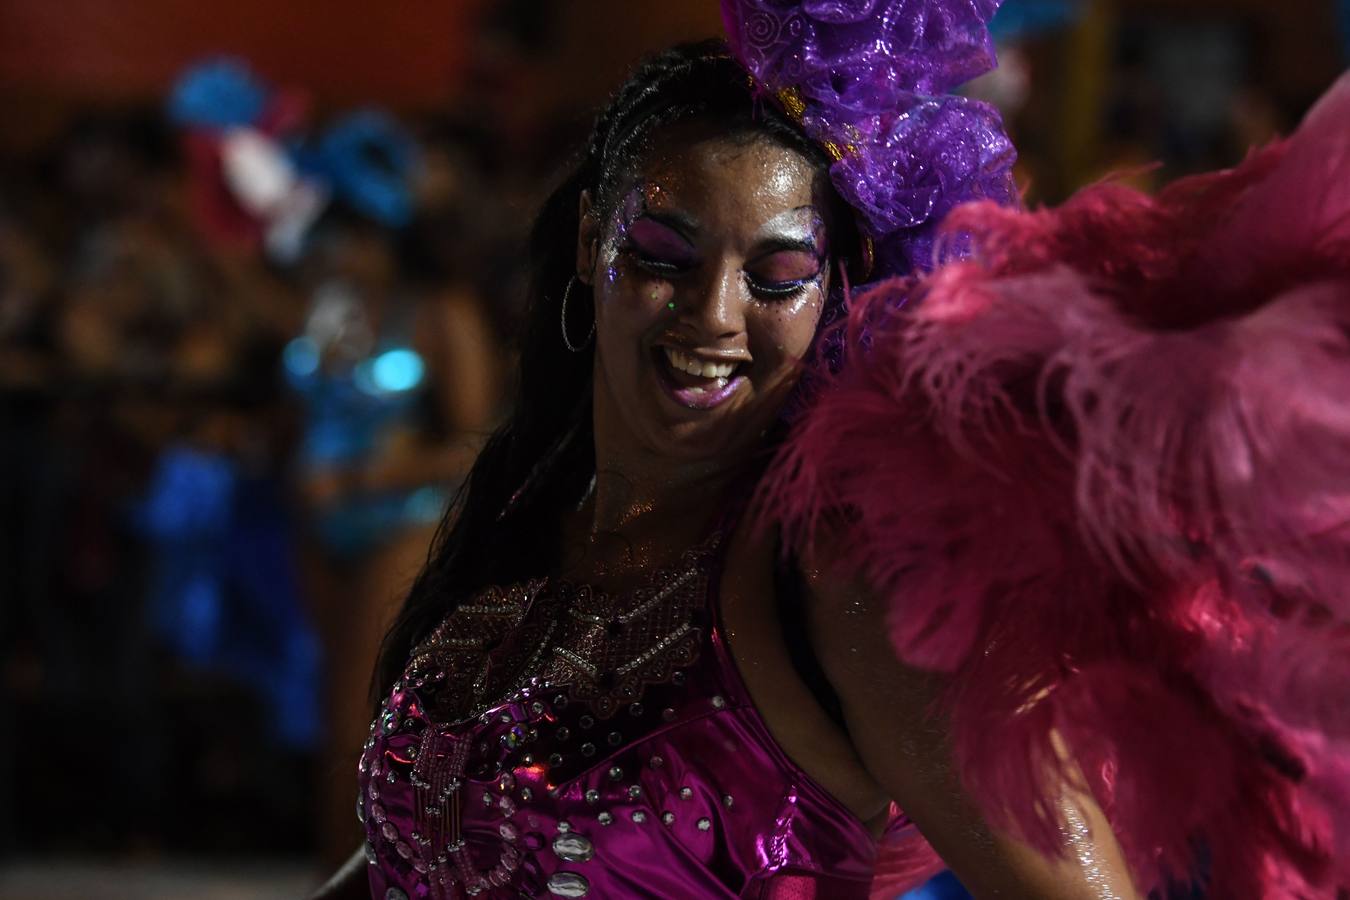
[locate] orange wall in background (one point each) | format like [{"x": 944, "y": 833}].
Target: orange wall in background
[{"x": 405, "y": 53}]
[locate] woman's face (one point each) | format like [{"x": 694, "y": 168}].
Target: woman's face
[{"x": 709, "y": 279}]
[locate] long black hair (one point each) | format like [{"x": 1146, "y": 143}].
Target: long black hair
[{"x": 503, "y": 524}]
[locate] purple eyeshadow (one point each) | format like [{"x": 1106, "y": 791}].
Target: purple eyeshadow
[{"x": 660, "y": 242}]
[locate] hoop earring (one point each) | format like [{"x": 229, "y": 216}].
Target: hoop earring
[{"x": 575, "y": 348}]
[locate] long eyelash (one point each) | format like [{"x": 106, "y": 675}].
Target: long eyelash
[
  {"x": 651, "y": 264},
  {"x": 781, "y": 290}
]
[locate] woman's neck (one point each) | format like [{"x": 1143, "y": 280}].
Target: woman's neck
[{"x": 644, "y": 512}]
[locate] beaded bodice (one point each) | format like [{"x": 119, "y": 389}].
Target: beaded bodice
[{"x": 554, "y": 740}]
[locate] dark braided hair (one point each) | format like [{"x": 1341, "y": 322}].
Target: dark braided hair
[{"x": 502, "y": 526}]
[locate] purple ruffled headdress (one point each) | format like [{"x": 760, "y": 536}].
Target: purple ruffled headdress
[{"x": 869, "y": 80}]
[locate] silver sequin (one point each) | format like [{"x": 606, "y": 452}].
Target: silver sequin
[
  {"x": 686, "y": 793},
  {"x": 704, "y": 824},
  {"x": 604, "y": 818},
  {"x": 668, "y": 818},
  {"x": 573, "y": 847},
  {"x": 568, "y": 884}
]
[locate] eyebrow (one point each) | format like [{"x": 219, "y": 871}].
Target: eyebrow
[{"x": 686, "y": 226}]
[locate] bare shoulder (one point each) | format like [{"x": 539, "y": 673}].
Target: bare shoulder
[{"x": 903, "y": 738}]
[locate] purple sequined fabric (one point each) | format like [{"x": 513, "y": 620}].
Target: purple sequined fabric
[
  {"x": 869, "y": 80},
  {"x": 552, "y": 740}
]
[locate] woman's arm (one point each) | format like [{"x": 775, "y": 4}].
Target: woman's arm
[
  {"x": 888, "y": 708},
  {"x": 349, "y": 883}
]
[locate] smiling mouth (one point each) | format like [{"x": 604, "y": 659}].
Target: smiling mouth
[{"x": 697, "y": 383}]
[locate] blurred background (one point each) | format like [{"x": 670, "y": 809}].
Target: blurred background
[{"x": 260, "y": 276}]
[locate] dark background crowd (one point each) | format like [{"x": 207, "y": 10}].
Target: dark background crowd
[{"x": 221, "y": 462}]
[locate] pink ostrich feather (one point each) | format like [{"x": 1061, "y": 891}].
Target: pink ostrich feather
[{"x": 1102, "y": 472}]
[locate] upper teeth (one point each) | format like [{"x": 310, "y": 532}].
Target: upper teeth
[{"x": 693, "y": 366}]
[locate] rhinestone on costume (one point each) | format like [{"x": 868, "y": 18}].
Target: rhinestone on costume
[
  {"x": 657, "y": 762},
  {"x": 704, "y": 824},
  {"x": 389, "y": 831},
  {"x": 573, "y": 847},
  {"x": 526, "y": 794},
  {"x": 395, "y": 894},
  {"x": 487, "y": 799},
  {"x": 564, "y": 733},
  {"x": 505, "y": 718},
  {"x": 592, "y": 796},
  {"x": 555, "y": 760},
  {"x": 560, "y": 701},
  {"x": 404, "y": 849},
  {"x": 508, "y": 831},
  {"x": 586, "y": 721},
  {"x": 635, "y": 709},
  {"x": 615, "y": 773},
  {"x": 668, "y": 714},
  {"x": 639, "y": 816},
  {"x": 677, "y": 679},
  {"x": 587, "y": 749},
  {"x": 668, "y": 818},
  {"x": 719, "y": 702},
  {"x": 537, "y": 708},
  {"x": 728, "y": 800},
  {"x": 389, "y": 777},
  {"x": 568, "y": 884},
  {"x": 634, "y": 791},
  {"x": 604, "y": 818},
  {"x": 686, "y": 793},
  {"x": 370, "y": 853},
  {"x": 506, "y": 782},
  {"x": 564, "y": 826},
  {"x": 361, "y": 810}
]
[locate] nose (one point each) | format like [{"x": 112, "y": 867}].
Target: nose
[{"x": 716, "y": 308}]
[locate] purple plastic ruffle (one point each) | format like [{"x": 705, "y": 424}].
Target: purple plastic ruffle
[{"x": 873, "y": 76}]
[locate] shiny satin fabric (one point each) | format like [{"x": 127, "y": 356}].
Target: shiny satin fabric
[{"x": 679, "y": 792}]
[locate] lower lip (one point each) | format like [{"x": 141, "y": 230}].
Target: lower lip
[{"x": 690, "y": 398}]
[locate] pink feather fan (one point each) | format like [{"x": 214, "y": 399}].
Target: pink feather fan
[{"x": 1102, "y": 472}]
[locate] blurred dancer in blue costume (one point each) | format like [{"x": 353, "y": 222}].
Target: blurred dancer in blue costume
[{"x": 397, "y": 379}]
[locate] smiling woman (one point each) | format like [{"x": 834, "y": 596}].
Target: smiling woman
[
  {"x": 709, "y": 279},
  {"x": 606, "y": 682}
]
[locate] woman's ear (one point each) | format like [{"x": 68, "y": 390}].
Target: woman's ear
[{"x": 588, "y": 237}]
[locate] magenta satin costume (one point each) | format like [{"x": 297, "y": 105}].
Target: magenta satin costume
[{"x": 549, "y": 740}]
